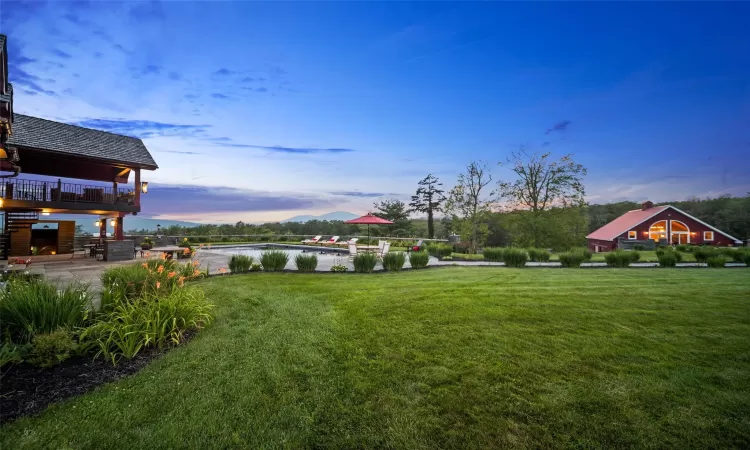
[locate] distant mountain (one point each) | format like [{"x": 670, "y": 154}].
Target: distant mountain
[
  {"x": 130, "y": 222},
  {"x": 337, "y": 215}
]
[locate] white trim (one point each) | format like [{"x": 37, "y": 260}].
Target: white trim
[
  {"x": 736, "y": 241},
  {"x": 709, "y": 226},
  {"x": 635, "y": 235},
  {"x": 712, "y": 235}
]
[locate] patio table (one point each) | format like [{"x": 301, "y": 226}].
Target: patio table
[{"x": 171, "y": 250}]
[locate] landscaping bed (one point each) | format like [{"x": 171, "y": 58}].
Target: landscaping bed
[{"x": 27, "y": 390}]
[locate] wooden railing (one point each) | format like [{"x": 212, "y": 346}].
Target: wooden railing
[{"x": 57, "y": 191}]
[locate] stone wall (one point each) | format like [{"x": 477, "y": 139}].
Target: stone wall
[{"x": 118, "y": 250}]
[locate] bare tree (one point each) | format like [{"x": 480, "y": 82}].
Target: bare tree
[
  {"x": 542, "y": 182},
  {"x": 428, "y": 199},
  {"x": 468, "y": 205}
]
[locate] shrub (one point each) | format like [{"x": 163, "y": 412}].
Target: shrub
[
  {"x": 639, "y": 247},
  {"x": 538, "y": 254},
  {"x": 365, "y": 262},
  {"x": 584, "y": 252},
  {"x": 274, "y": 260},
  {"x": 634, "y": 256},
  {"x": 493, "y": 254},
  {"x": 339, "y": 268},
  {"x": 419, "y": 260},
  {"x": 37, "y": 306},
  {"x": 741, "y": 255},
  {"x": 618, "y": 258},
  {"x": 515, "y": 257},
  {"x": 306, "y": 262},
  {"x": 440, "y": 251},
  {"x": 729, "y": 252},
  {"x": 447, "y": 258},
  {"x": 185, "y": 242},
  {"x": 256, "y": 268},
  {"x": 572, "y": 259},
  {"x": 669, "y": 251},
  {"x": 50, "y": 349},
  {"x": 394, "y": 261},
  {"x": 716, "y": 261},
  {"x": 462, "y": 247},
  {"x": 132, "y": 280},
  {"x": 240, "y": 263},
  {"x": 683, "y": 248},
  {"x": 9, "y": 354},
  {"x": 151, "y": 320},
  {"x": 668, "y": 259},
  {"x": 702, "y": 254}
]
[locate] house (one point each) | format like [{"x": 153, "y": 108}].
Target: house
[
  {"x": 52, "y": 156},
  {"x": 652, "y": 225}
]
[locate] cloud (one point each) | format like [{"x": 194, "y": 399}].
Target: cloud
[
  {"x": 179, "y": 152},
  {"x": 219, "y": 96},
  {"x": 142, "y": 128},
  {"x": 223, "y": 72},
  {"x": 98, "y": 54},
  {"x": 176, "y": 199},
  {"x": 75, "y": 19},
  {"x": 280, "y": 149},
  {"x": 261, "y": 90},
  {"x": 559, "y": 127},
  {"x": 359, "y": 194},
  {"x": 151, "y": 69},
  {"x": 174, "y": 76},
  {"x": 147, "y": 11},
  {"x": 26, "y": 80},
  {"x": 247, "y": 80},
  {"x": 60, "y": 53}
]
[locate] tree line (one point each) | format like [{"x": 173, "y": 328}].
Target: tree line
[{"x": 541, "y": 205}]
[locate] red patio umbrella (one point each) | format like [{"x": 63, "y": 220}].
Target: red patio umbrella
[{"x": 368, "y": 219}]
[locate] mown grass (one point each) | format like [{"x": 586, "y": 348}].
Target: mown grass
[
  {"x": 646, "y": 256},
  {"x": 451, "y": 358}
]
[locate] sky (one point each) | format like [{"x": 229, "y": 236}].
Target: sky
[{"x": 260, "y": 111}]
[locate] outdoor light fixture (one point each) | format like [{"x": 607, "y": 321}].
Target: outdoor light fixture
[
  {"x": 113, "y": 222},
  {"x": 144, "y": 187},
  {"x": 45, "y": 213},
  {"x": 1, "y": 202},
  {"x": 98, "y": 223}
]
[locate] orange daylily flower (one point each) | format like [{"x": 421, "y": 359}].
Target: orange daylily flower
[
  {"x": 222, "y": 270},
  {"x": 148, "y": 254},
  {"x": 158, "y": 285},
  {"x": 197, "y": 272},
  {"x": 181, "y": 281},
  {"x": 163, "y": 256},
  {"x": 186, "y": 251},
  {"x": 145, "y": 266},
  {"x": 195, "y": 263},
  {"x": 171, "y": 274},
  {"x": 160, "y": 269}
]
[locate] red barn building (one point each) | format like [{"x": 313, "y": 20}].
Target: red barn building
[{"x": 659, "y": 224}]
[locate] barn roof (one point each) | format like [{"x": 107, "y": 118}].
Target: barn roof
[
  {"x": 624, "y": 223},
  {"x": 631, "y": 219},
  {"x": 57, "y": 137}
]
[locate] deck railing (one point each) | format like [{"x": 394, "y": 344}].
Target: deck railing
[{"x": 57, "y": 191}]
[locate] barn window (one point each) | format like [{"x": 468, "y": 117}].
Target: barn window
[
  {"x": 708, "y": 235},
  {"x": 632, "y": 235},
  {"x": 658, "y": 230}
]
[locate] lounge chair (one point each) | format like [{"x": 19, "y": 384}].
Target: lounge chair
[
  {"x": 331, "y": 241},
  {"x": 419, "y": 246},
  {"x": 385, "y": 249},
  {"x": 350, "y": 241},
  {"x": 352, "y": 251},
  {"x": 313, "y": 240}
]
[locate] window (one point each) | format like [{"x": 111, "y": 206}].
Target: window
[
  {"x": 658, "y": 230},
  {"x": 632, "y": 235},
  {"x": 708, "y": 235}
]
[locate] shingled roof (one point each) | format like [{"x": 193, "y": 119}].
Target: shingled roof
[{"x": 47, "y": 135}]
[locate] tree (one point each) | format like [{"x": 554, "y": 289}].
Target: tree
[
  {"x": 428, "y": 199},
  {"x": 468, "y": 206},
  {"x": 542, "y": 184},
  {"x": 394, "y": 210},
  {"x": 79, "y": 229}
]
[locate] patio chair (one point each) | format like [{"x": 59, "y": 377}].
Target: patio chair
[
  {"x": 331, "y": 241},
  {"x": 352, "y": 251},
  {"x": 313, "y": 240},
  {"x": 99, "y": 251},
  {"x": 385, "y": 249},
  {"x": 350, "y": 241},
  {"x": 418, "y": 247}
]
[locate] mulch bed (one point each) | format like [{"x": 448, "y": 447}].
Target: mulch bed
[{"x": 26, "y": 390}]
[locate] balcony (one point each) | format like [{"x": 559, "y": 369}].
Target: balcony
[{"x": 56, "y": 196}]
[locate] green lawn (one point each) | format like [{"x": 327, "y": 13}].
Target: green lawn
[
  {"x": 646, "y": 256},
  {"x": 446, "y": 358}
]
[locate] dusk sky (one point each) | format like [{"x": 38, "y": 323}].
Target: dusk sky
[{"x": 304, "y": 108}]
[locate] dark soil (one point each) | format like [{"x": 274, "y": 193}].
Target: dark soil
[{"x": 27, "y": 390}]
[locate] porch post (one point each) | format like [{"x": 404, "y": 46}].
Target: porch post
[
  {"x": 119, "y": 234},
  {"x": 102, "y": 227},
  {"x": 138, "y": 187}
]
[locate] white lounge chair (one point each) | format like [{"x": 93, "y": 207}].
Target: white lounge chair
[
  {"x": 352, "y": 251},
  {"x": 385, "y": 249},
  {"x": 350, "y": 241},
  {"x": 331, "y": 241},
  {"x": 313, "y": 240}
]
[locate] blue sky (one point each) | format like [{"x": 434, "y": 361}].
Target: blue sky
[{"x": 260, "y": 111}]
